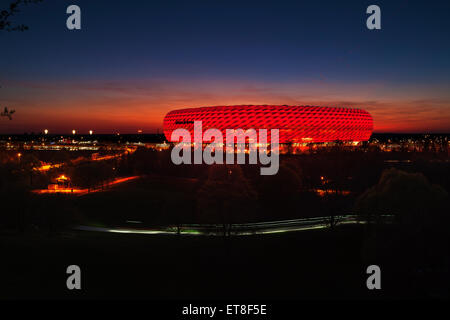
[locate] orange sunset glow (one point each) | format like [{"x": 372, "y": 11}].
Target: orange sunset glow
[{"x": 139, "y": 105}]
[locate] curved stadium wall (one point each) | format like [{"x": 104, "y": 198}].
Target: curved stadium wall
[{"x": 297, "y": 124}]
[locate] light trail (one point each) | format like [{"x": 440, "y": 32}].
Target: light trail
[
  {"x": 248, "y": 229},
  {"x": 80, "y": 192},
  {"x": 47, "y": 167}
]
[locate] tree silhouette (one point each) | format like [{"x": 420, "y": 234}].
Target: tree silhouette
[
  {"x": 226, "y": 196},
  {"x": 419, "y": 234},
  {"x": 279, "y": 193},
  {"x": 6, "y": 15},
  {"x": 6, "y": 23},
  {"x": 28, "y": 163},
  {"x": 410, "y": 197},
  {"x": 7, "y": 113}
]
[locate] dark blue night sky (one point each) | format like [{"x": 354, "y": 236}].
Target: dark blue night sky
[{"x": 132, "y": 61}]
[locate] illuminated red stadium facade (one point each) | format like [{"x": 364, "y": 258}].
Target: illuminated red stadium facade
[{"x": 297, "y": 124}]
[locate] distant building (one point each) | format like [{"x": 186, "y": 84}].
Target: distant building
[{"x": 60, "y": 183}]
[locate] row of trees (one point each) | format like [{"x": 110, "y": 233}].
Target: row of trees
[
  {"x": 238, "y": 193},
  {"x": 92, "y": 174},
  {"x": 287, "y": 194}
]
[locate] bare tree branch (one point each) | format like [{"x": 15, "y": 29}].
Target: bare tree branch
[
  {"x": 7, "y": 113},
  {"x": 7, "y": 14}
]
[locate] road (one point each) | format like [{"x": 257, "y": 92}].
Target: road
[
  {"x": 237, "y": 229},
  {"x": 80, "y": 192}
]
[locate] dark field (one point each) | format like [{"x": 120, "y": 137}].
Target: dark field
[
  {"x": 38, "y": 240},
  {"x": 312, "y": 264}
]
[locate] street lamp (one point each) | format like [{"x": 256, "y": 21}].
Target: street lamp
[
  {"x": 74, "y": 131},
  {"x": 46, "y": 131},
  {"x": 91, "y": 132}
]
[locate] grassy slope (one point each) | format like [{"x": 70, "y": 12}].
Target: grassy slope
[{"x": 312, "y": 264}]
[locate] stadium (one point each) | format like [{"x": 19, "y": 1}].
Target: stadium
[{"x": 296, "y": 124}]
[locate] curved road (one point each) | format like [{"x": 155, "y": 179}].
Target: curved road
[{"x": 238, "y": 229}]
